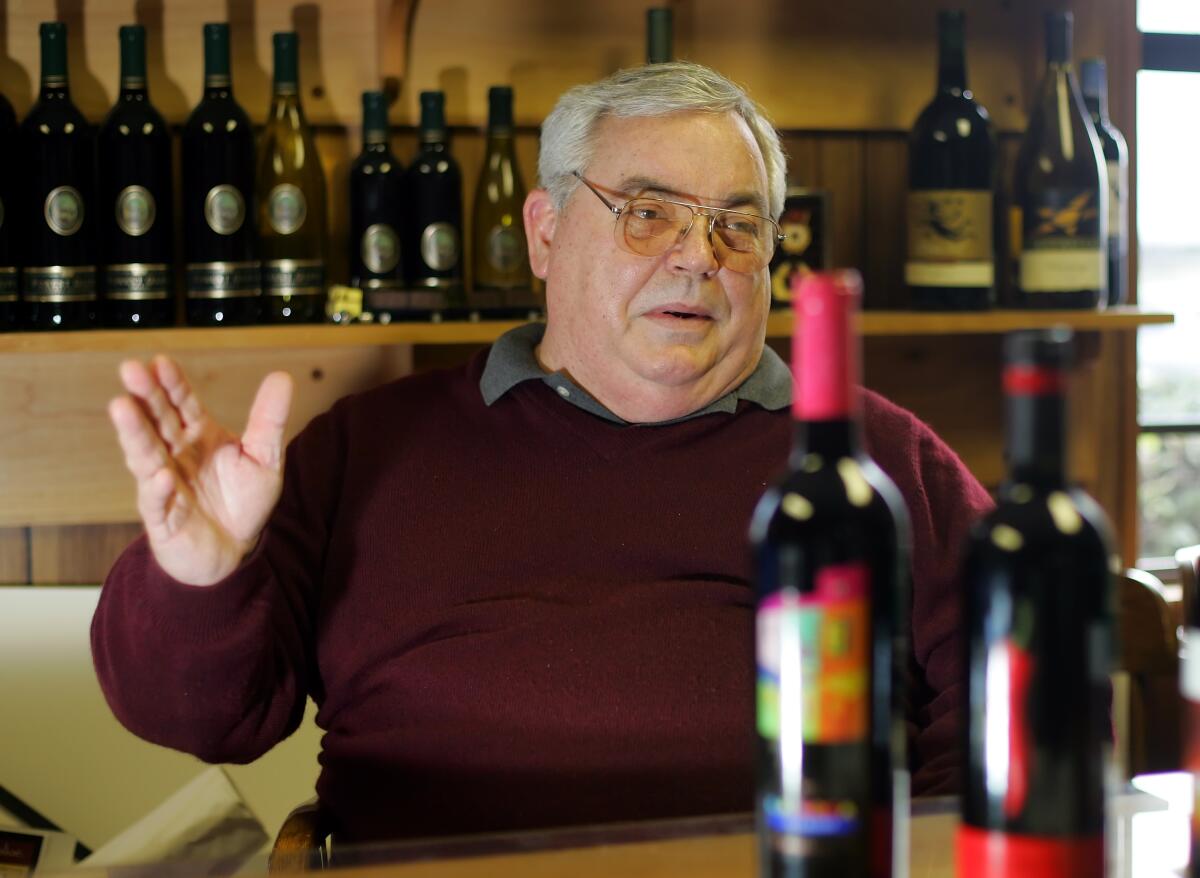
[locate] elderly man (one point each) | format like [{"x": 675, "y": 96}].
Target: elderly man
[{"x": 519, "y": 590}]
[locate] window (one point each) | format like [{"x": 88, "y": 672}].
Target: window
[{"x": 1168, "y": 86}]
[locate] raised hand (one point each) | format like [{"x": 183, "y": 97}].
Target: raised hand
[{"x": 203, "y": 493}]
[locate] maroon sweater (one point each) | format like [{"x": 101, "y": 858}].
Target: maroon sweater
[{"x": 512, "y": 616}]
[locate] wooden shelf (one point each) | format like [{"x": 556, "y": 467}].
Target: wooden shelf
[{"x": 874, "y": 323}]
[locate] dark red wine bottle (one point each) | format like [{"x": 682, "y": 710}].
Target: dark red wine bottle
[
  {"x": 1039, "y": 620},
  {"x": 830, "y": 543}
]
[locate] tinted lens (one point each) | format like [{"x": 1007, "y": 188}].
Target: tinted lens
[{"x": 651, "y": 227}]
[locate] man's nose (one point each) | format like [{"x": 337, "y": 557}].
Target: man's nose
[{"x": 694, "y": 252}]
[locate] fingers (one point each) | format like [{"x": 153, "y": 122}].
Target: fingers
[
  {"x": 146, "y": 389},
  {"x": 154, "y": 499},
  {"x": 263, "y": 439},
  {"x": 144, "y": 451},
  {"x": 178, "y": 390}
]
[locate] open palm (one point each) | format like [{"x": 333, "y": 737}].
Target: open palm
[{"x": 203, "y": 493}]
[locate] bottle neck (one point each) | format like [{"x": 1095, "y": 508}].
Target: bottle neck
[
  {"x": 434, "y": 141},
  {"x": 952, "y": 61},
  {"x": 374, "y": 141},
  {"x": 132, "y": 90},
  {"x": 1097, "y": 106},
  {"x": 831, "y": 439},
  {"x": 1036, "y": 439}
]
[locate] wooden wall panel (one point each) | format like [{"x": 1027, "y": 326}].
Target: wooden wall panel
[
  {"x": 859, "y": 65},
  {"x": 14, "y": 555},
  {"x": 57, "y": 450},
  {"x": 77, "y": 555}
]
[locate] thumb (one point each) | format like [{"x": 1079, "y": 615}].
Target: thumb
[{"x": 263, "y": 439}]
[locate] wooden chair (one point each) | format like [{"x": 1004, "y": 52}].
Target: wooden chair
[
  {"x": 1146, "y": 683},
  {"x": 302, "y": 844}
]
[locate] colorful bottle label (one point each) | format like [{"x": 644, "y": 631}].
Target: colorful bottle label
[
  {"x": 813, "y": 654},
  {"x": 223, "y": 280},
  {"x": 60, "y": 283},
  {"x": 949, "y": 238},
  {"x": 813, "y": 689},
  {"x": 380, "y": 248},
  {"x": 137, "y": 281},
  {"x": 224, "y": 209},
  {"x": 63, "y": 210},
  {"x": 1060, "y": 242},
  {"x": 286, "y": 208},
  {"x": 135, "y": 211},
  {"x": 294, "y": 277}
]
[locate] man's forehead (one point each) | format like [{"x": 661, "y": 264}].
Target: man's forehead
[{"x": 720, "y": 165}]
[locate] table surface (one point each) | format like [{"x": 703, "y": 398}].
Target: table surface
[{"x": 1148, "y": 838}]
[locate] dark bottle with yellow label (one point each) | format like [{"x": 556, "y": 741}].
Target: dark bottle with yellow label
[{"x": 950, "y": 264}]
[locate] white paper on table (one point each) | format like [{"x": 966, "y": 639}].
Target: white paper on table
[{"x": 204, "y": 820}]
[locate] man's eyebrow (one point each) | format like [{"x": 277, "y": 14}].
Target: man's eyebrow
[{"x": 637, "y": 185}]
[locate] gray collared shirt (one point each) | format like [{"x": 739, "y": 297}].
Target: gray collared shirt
[{"x": 511, "y": 361}]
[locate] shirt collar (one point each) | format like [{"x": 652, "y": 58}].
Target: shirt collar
[{"x": 511, "y": 361}]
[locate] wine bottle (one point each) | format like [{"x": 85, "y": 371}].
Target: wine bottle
[
  {"x": 1094, "y": 83},
  {"x": 1038, "y": 614},
  {"x": 951, "y": 178},
  {"x": 499, "y": 257},
  {"x": 830, "y": 545},
  {"x": 376, "y": 201},
  {"x": 291, "y": 201},
  {"x": 659, "y": 33},
  {"x": 58, "y": 171},
  {"x": 220, "y": 241},
  {"x": 1059, "y": 220},
  {"x": 135, "y": 189},
  {"x": 432, "y": 246},
  {"x": 10, "y": 308}
]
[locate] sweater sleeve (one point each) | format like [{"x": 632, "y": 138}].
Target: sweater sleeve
[
  {"x": 944, "y": 499},
  {"x": 223, "y": 671}
]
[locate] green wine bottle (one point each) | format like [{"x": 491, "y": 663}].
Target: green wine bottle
[
  {"x": 291, "y": 201},
  {"x": 500, "y": 257}
]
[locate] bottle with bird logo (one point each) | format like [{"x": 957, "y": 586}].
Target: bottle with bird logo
[{"x": 1059, "y": 221}]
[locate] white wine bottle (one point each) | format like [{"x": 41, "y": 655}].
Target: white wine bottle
[
  {"x": 500, "y": 257},
  {"x": 291, "y": 201},
  {"x": 1059, "y": 222}
]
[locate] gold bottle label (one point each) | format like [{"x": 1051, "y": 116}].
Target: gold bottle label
[
  {"x": 224, "y": 209},
  {"x": 286, "y": 208},
  {"x": 135, "y": 211},
  {"x": 63, "y": 210},
  {"x": 949, "y": 238}
]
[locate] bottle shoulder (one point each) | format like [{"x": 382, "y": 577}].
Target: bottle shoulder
[
  {"x": 47, "y": 118},
  {"x": 945, "y": 112},
  {"x": 1026, "y": 520},
  {"x": 836, "y": 495},
  {"x": 213, "y": 116},
  {"x": 138, "y": 117}
]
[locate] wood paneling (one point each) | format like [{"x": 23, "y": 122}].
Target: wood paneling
[
  {"x": 14, "y": 555},
  {"x": 77, "y": 555},
  {"x": 59, "y": 460}
]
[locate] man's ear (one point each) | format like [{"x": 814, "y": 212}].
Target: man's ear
[{"x": 540, "y": 219}]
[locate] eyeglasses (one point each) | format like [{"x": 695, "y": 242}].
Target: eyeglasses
[{"x": 741, "y": 242}]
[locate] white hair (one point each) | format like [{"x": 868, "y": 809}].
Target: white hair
[{"x": 651, "y": 90}]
